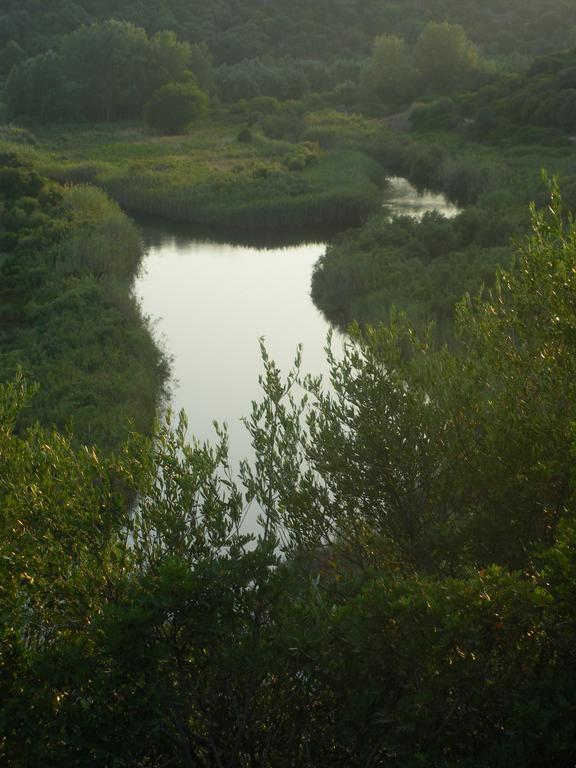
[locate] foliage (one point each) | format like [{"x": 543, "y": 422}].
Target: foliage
[
  {"x": 238, "y": 50},
  {"x": 174, "y": 106},
  {"x": 442, "y": 59},
  {"x": 67, "y": 319},
  {"x": 208, "y": 177},
  {"x": 385, "y": 450},
  {"x": 534, "y": 108},
  {"x": 422, "y": 267},
  {"x": 445, "y": 56},
  {"x": 99, "y": 72},
  {"x": 391, "y": 73},
  {"x": 319, "y": 30},
  {"x": 424, "y": 614},
  {"x": 16, "y": 135},
  {"x": 365, "y": 273}
]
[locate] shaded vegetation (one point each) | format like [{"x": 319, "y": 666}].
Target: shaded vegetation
[
  {"x": 424, "y": 614},
  {"x": 101, "y": 72},
  {"x": 536, "y": 108},
  {"x": 302, "y": 29},
  {"x": 242, "y": 50},
  {"x": 174, "y": 106},
  {"x": 410, "y": 598},
  {"x": 209, "y": 177},
  {"x": 423, "y": 267},
  {"x": 67, "y": 319}
]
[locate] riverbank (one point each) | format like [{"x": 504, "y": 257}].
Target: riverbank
[
  {"x": 210, "y": 177},
  {"x": 424, "y": 267},
  {"x": 241, "y": 291},
  {"x": 252, "y": 189},
  {"x": 68, "y": 319}
]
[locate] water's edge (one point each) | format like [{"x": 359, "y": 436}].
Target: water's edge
[{"x": 212, "y": 300}]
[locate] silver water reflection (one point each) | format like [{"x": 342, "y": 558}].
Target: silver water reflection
[
  {"x": 212, "y": 301},
  {"x": 402, "y": 199}
]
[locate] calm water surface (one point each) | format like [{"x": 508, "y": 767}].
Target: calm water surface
[{"x": 212, "y": 301}]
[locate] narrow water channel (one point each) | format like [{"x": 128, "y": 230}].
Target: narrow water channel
[{"x": 211, "y": 302}]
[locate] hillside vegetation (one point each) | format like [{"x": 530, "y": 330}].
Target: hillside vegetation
[
  {"x": 67, "y": 320},
  {"x": 312, "y": 29},
  {"x": 424, "y": 614}
]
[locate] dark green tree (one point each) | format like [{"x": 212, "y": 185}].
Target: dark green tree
[
  {"x": 445, "y": 56},
  {"x": 105, "y": 69},
  {"x": 174, "y": 106},
  {"x": 391, "y": 73}
]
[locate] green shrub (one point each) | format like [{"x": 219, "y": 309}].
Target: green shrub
[
  {"x": 245, "y": 136},
  {"x": 174, "y": 106},
  {"x": 266, "y": 105},
  {"x": 16, "y": 135}
]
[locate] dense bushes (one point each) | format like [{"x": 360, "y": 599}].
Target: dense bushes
[
  {"x": 174, "y": 106},
  {"x": 535, "y": 108},
  {"x": 421, "y": 267},
  {"x": 385, "y": 264},
  {"x": 100, "y": 72},
  {"x": 424, "y": 611},
  {"x": 67, "y": 260}
]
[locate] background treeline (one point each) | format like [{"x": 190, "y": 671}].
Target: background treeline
[
  {"x": 101, "y": 72},
  {"x": 536, "y": 107},
  {"x": 68, "y": 257},
  {"x": 423, "y": 613},
  {"x": 251, "y": 49},
  {"x": 320, "y": 29}
]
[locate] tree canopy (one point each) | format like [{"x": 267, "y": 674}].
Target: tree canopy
[
  {"x": 100, "y": 72},
  {"x": 174, "y": 106}
]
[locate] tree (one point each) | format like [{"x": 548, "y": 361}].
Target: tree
[
  {"x": 34, "y": 87},
  {"x": 390, "y": 72},
  {"x": 174, "y": 106},
  {"x": 445, "y": 56},
  {"x": 101, "y": 72},
  {"x": 421, "y": 458},
  {"x": 11, "y": 55},
  {"x": 105, "y": 69},
  {"x": 201, "y": 65},
  {"x": 168, "y": 60}
]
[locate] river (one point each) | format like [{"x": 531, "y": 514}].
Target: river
[{"x": 212, "y": 301}]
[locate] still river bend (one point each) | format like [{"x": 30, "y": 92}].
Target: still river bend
[{"x": 211, "y": 302}]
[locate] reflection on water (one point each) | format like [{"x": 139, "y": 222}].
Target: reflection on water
[
  {"x": 402, "y": 199},
  {"x": 213, "y": 302},
  {"x": 213, "y": 299}
]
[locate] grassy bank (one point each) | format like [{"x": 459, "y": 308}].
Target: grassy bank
[
  {"x": 67, "y": 317},
  {"x": 210, "y": 178},
  {"x": 423, "y": 268}
]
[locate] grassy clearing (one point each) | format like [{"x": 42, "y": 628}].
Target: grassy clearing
[{"x": 209, "y": 177}]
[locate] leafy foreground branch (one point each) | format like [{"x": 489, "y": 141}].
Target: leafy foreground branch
[{"x": 423, "y": 612}]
